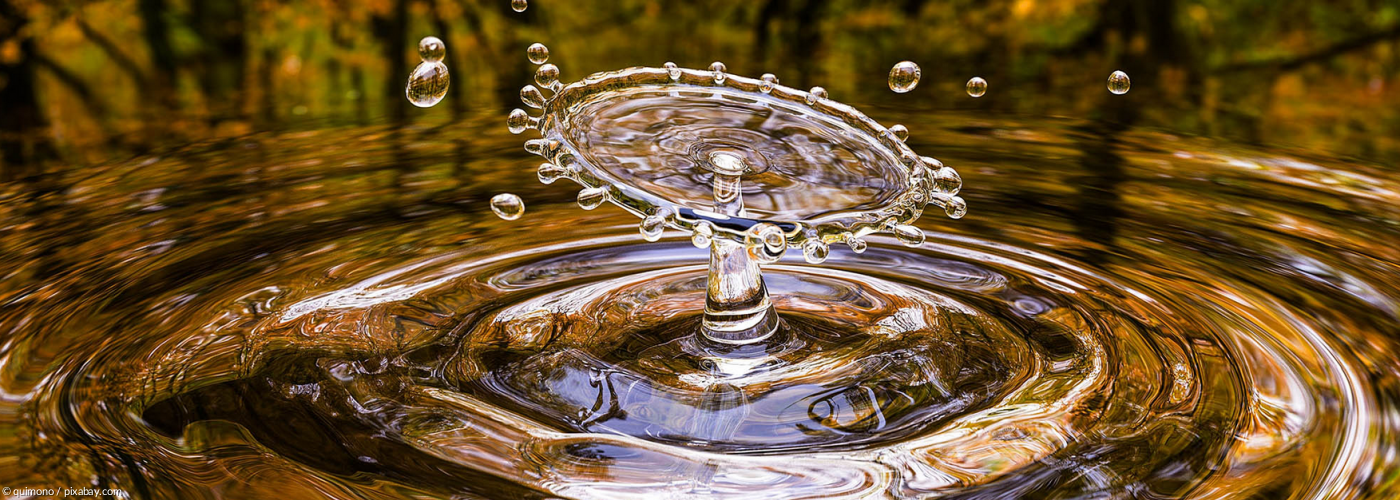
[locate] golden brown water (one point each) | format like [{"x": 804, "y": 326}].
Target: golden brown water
[{"x": 1124, "y": 313}]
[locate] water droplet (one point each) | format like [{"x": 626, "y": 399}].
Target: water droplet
[
  {"x": 900, "y": 132},
  {"x": 701, "y": 235},
  {"x": 765, "y": 242},
  {"x": 547, "y": 76},
  {"x": 591, "y": 198},
  {"x": 531, "y": 96},
  {"x": 932, "y": 163},
  {"x": 672, "y": 70},
  {"x": 976, "y": 86},
  {"x": 652, "y": 226},
  {"x": 431, "y": 49},
  {"x": 519, "y": 5},
  {"x": 549, "y": 172},
  {"x": 767, "y": 82},
  {"x": 857, "y": 245},
  {"x": 1118, "y": 83},
  {"x": 904, "y": 76},
  {"x": 956, "y": 207},
  {"x": 507, "y": 206},
  {"x": 910, "y": 236},
  {"x": 719, "y": 68},
  {"x": 814, "y": 94},
  {"x": 815, "y": 251},
  {"x": 427, "y": 85},
  {"x": 947, "y": 181},
  {"x": 537, "y": 53},
  {"x": 518, "y": 121}
]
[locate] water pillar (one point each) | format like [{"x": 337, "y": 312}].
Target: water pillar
[{"x": 737, "y": 308}]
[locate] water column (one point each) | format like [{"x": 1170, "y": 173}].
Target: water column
[{"x": 737, "y": 308}]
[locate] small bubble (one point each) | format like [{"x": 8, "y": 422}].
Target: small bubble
[
  {"x": 719, "y": 68},
  {"x": 537, "y": 53},
  {"x": 956, "y": 207},
  {"x": 976, "y": 86},
  {"x": 815, "y": 251},
  {"x": 519, "y": 5},
  {"x": 531, "y": 96},
  {"x": 547, "y": 76},
  {"x": 857, "y": 245},
  {"x": 549, "y": 172},
  {"x": 1118, "y": 83},
  {"x": 518, "y": 121},
  {"x": 652, "y": 226},
  {"x": 701, "y": 235},
  {"x": 672, "y": 70},
  {"x": 591, "y": 198},
  {"x": 909, "y": 235},
  {"x": 814, "y": 94},
  {"x": 900, "y": 132},
  {"x": 767, "y": 82},
  {"x": 904, "y": 76},
  {"x": 427, "y": 85},
  {"x": 431, "y": 49},
  {"x": 507, "y": 206}
]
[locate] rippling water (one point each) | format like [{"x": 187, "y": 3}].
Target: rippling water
[{"x": 1123, "y": 313}]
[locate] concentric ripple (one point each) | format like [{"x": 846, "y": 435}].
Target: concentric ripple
[{"x": 1221, "y": 326}]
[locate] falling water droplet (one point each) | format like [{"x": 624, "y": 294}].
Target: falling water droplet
[
  {"x": 767, "y": 82},
  {"x": 507, "y": 206},
  {"x": 904, "y": 76},
  {"x": 591, "y": 198},
  {"x": 976, "y": 86},
  {"x": 815, "y": 251},
  {"x": 1118, "y": 83},
  {"x": 900, "y": 132},
  {"x": 519, "y": 5},
  {"x": 531, "y": 96},
  {"x": 719, "y": 68},
  {"x": 701, "y": 235},
  {"x": 652, "y": 226},
  {"x": 547, "y": 76},
  {"x": 549, "y": 172},
  {"x": 910, "y": 236},
  {"x": 427, "y": 85},
  {"x": 814, "y": 94},
  {"x": 537, "y": 53},
  {"x": 518, "y": 121},
  {"x": 672, "y": 70},
  {"x": 857, "y": 245},
  {"x": 956, "y": 207},
  {"x": 431, "y": 49},
  {"x": 765, "y": 242}
]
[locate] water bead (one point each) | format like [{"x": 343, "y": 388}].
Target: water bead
[
  {"x": 591, "y": 198},
  {"x": 857, "y": 245},
  {"x": 537, "y": 53},
  {"x": 814, "y": 251},
  {"x": 909, "y": 235},
  {"x": 547, "y": 76},
  {"x": 672, "y": 70},
  {"x": 652, "y": 226},
  {"x": 976, "y": 86},
  {"x": 955, "y": 208},
  {"x": 767, "y": 82},
  {"x": 519, "y": 5},
  {"x": 427, "y": 85},
  {"x": 765, "y": 242},
  {"x": 431, "y": 49},
  {"x": 549, "y": 172},
  {"x": 702, "y": 234},
  {"x": 1118, "y": 83},
  {"x": 904, "y": 76},
  {"x": 900, "y": 132},
  {"x": 531, "y": 96},
  {"x": 518, "y": 121},
  {"x": 507, "y": 206},
  {"x": 719, "y": 68},
  {"x": 814, "y": 94},
  {"x": 947, "y": 181}
]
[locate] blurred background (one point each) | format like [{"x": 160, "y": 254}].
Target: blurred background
[{"x": 89, "y": 81}]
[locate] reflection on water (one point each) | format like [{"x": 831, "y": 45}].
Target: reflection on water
[{"x": 339, "y": 314}]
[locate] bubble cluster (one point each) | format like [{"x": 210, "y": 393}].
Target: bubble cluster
[
  {"x": 904, "y": 76},
  {"x": 1118, "y": 83},
  {"x": 507, "y": 206}
]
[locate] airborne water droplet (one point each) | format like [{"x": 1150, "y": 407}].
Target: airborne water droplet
[
  {"x": 976, "y": 86},
  {"x": 531, "y": 96},
  {"x": 427, "y": 85},
  {"x": 910, "y": 236},
  {"x": 547, "y": 76},
  {"x": 815, "y": 251},
  {"x": 518, "y": 121},
  {"x": 701, "y": 235},
  {"x": 431, "y": 49},
  {"x": 591, "y": 198},
  {"x": 1118, "y": 83},
  {"x": 904, "y": 76},
  {"x": 537, "y": 53},
  {"x": 900, "y": 132},
  {"x": 767, "y": 82},
  {"x": 672, "y": 70},
  {"x": 507, "y": 206},
  {"x": 652, "y": 226},
  {"x": 814, "y": 94},
  {"x": 519, "y": 5},
  {"x": 719, "y": 68}
]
